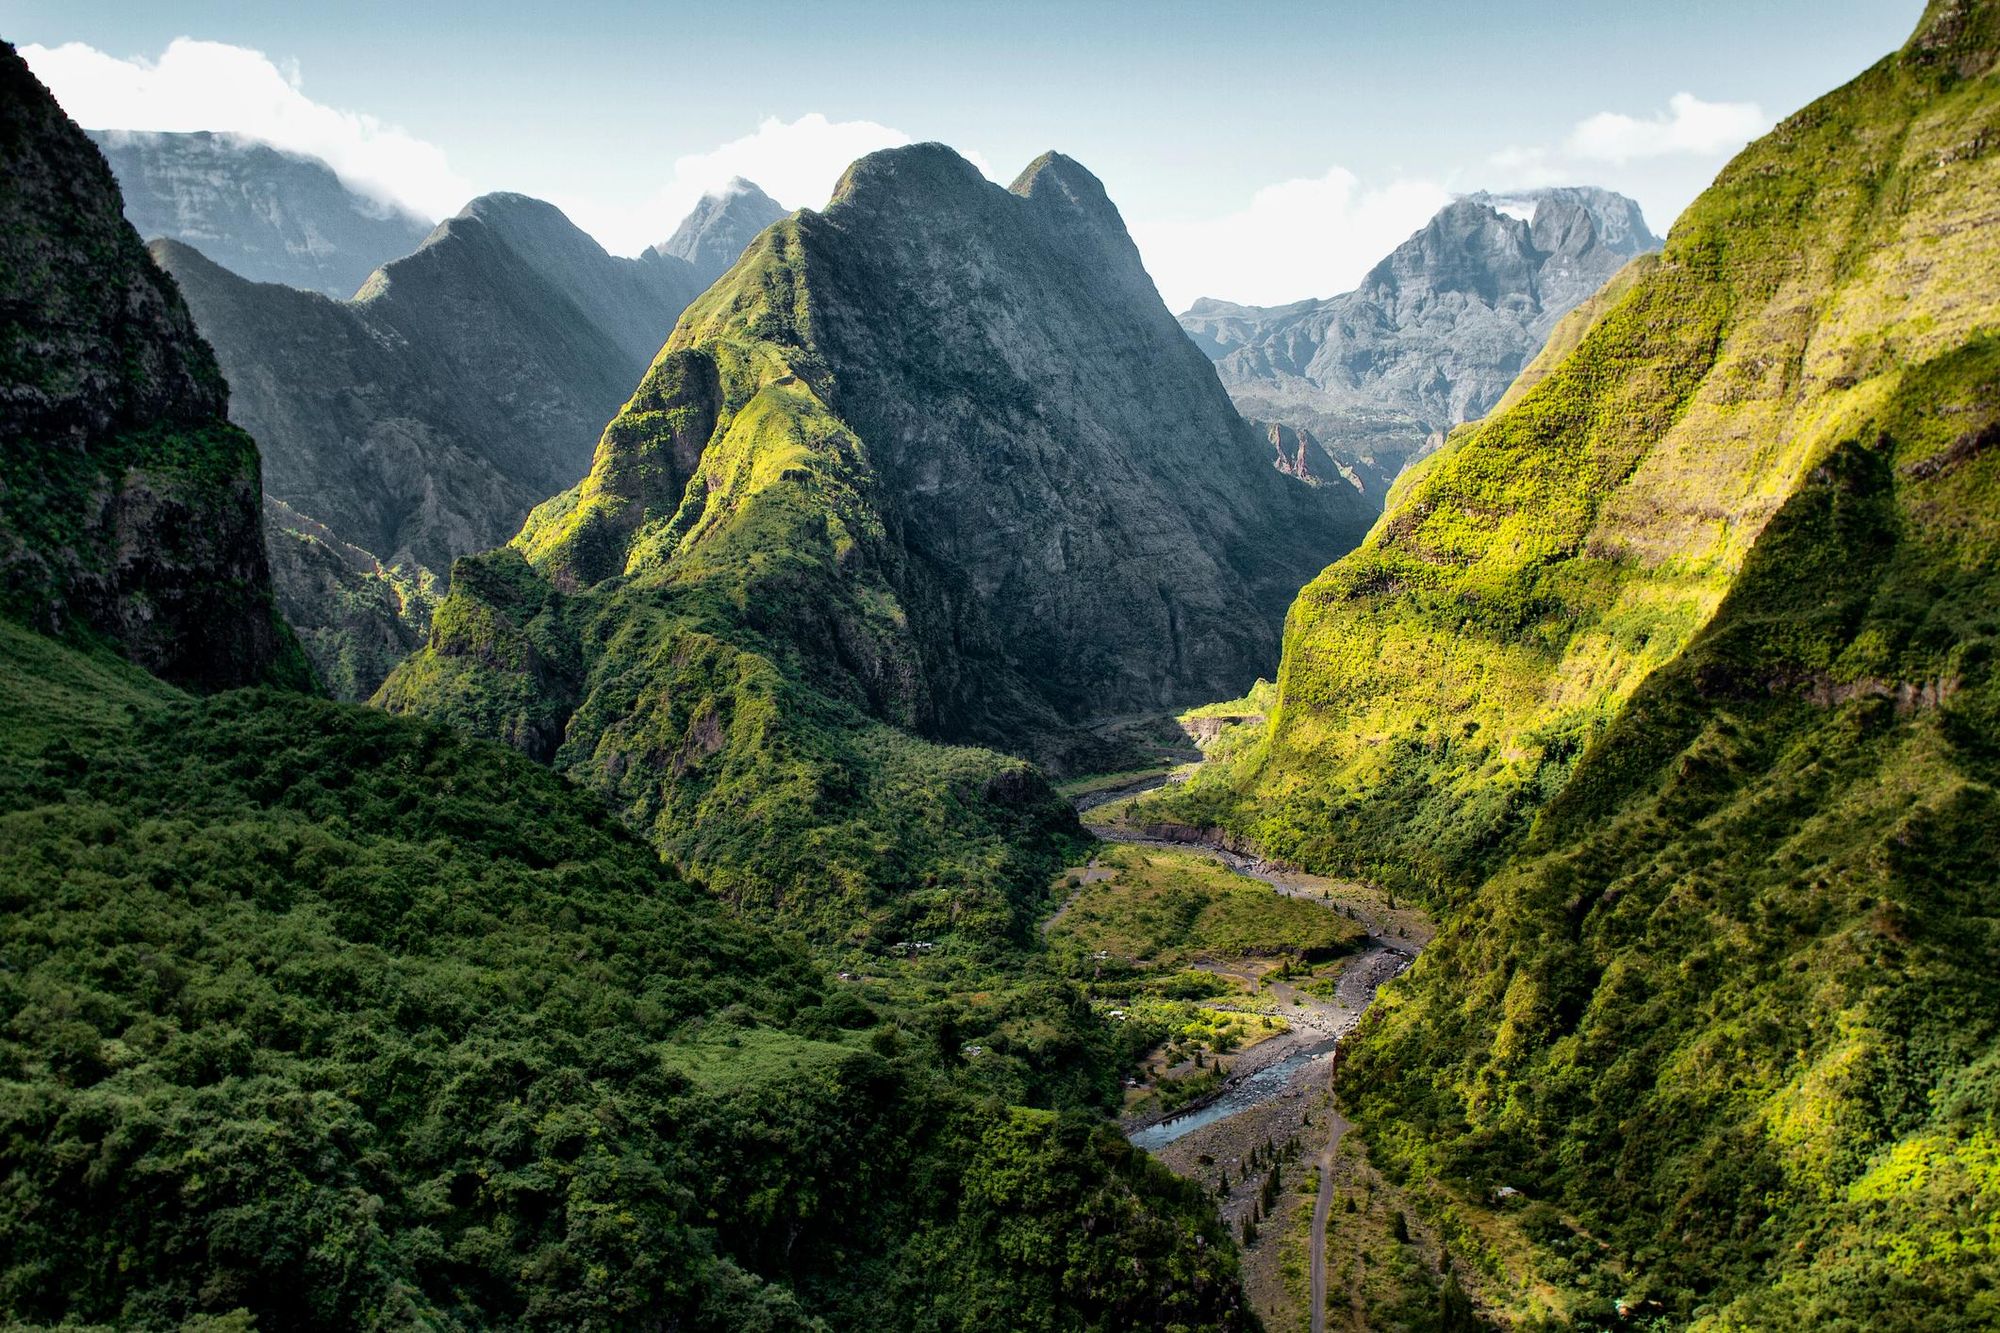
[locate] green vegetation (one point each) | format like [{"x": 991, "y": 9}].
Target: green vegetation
[
  {"x": 1159, "y": 908},
  {"x": 335, "y": 1019},
  {"x": 1440, "y": 683},
  {"x": 707, "y": 632},
  {"x": 1755, "y": 932},
  {"x": 355, "y": 617},
  {"x": 1674, "y": 679}
]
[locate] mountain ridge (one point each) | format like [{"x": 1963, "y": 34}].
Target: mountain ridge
[
  {"x": 1432, "y": 335},
  {"x": 853, "y": 512},
  {"x": 259, "y": 211},
  {"x": 1670, "y": 682}
]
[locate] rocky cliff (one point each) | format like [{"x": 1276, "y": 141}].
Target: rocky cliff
[
  {"x": 129, "y": 506},
  {"x": 934, "y": 465},
  {"x": 1672, "y": 683},
  {"x": 1434, "y": 333},
  {"x": 720, "y": 228},
  {"x": 260, "y": 212},
  {"x": 423, "y": 419}
]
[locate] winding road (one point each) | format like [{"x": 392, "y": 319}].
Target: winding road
[{"x": 1389, "y": 953}]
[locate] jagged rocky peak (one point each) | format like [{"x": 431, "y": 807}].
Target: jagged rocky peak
[
  {"x": 724, "y": 222},
  {"x": 1299, "y": 455},
  {"x": 422, "y": 420},
  {"x": 1554, "y": 212},
  {"x": 128, "y": 505},
  {"x": 1007, "y": 432},
  {"x": 259, "y": 211},
  {"x": 1467, "y": 247},
  {"x": 1433, "y": 334}
]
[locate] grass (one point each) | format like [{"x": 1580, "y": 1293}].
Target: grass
[{"x": 1165, "y": 909}]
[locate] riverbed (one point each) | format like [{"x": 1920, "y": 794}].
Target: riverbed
[{"x": 1297, "y": 1062}]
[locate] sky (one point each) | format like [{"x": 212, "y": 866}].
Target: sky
[{"x": 1260, "y": 152}]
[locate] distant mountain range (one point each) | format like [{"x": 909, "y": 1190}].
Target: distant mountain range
[
  {"x": 1433, "y": 335},
  {"x": 465, "y": 381},
  {"x": 267, "y": 214},
  {"x": 711, "y": 237}
]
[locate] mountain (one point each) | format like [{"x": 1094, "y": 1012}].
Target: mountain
[
  {"x": 1434, "y": 333},
  {"x": 128, "y": 503},
  {"x": 260, "y": 212},
  {"x": 314, "y": 1018},
  {"x": 721, "y": 227},
  {"x": 1672, "y": 683},
  {"x": 933, "y": 467},
  {"x": 423, "y": 419}
]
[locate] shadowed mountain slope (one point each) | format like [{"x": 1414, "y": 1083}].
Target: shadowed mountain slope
[
  {"x": 935, "y": 463},
  {"x": 423, "y": 419},
  {"x": 128, "y": 504}
]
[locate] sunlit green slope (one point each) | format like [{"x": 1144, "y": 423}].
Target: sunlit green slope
[
  {"x": 926, "y": 477},
  {"x": 1440, "y": 682},
  {"x": 1676, "y": 677}
]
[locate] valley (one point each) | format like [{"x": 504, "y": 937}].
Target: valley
[
  {"x": 847, "y": 769},
  {"x": 1250, "y": 1123}
]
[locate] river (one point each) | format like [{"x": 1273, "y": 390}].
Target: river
[{"x": 1283, "y": 1066}]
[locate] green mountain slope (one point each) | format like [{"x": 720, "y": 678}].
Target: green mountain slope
[
  {"x": 1440, "y": 682},
  {"x": 128, "y": 504},
  {"x": 1675, "y": 676},
  {"x": 315, "y": 1018},
  {"x": 1733, "y": 1004},
  {"x": 933, "y": 466},
  {"x": 341, "y": 1019}
]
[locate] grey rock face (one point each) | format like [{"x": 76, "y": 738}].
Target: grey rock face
[
  {"x": 1434, "y": 333},
  {"x": 422, "y": 420},
  {"x": 268, "y": 215},
  {"x": 713, "y": 236},
  {"x": 1085, "y": 514}
]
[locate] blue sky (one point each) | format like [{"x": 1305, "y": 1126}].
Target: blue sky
[{"x": 1261, "y": 152}]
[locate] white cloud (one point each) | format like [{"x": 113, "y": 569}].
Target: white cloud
[
  {"x": 1663, "y": 160},
  {"x": 1296, "y": 239},
  {"x": 197, "y": 85},
  {"x": 1688, "y": 126},
  {"x": 797, "y": 162}
]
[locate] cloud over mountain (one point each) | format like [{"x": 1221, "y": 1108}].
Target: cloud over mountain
[{"x": 197, "y": 85}]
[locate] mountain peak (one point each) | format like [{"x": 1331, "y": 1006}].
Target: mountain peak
[
  {"x": 913, "y": 173},
  {"x": 265, "y": 213},
  {"x": 1617, "y": 220},
  {"x": 1053, "y": 182},
  {"x": 1964, "y": 32},
  {"x": 721, "y": 224}
]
